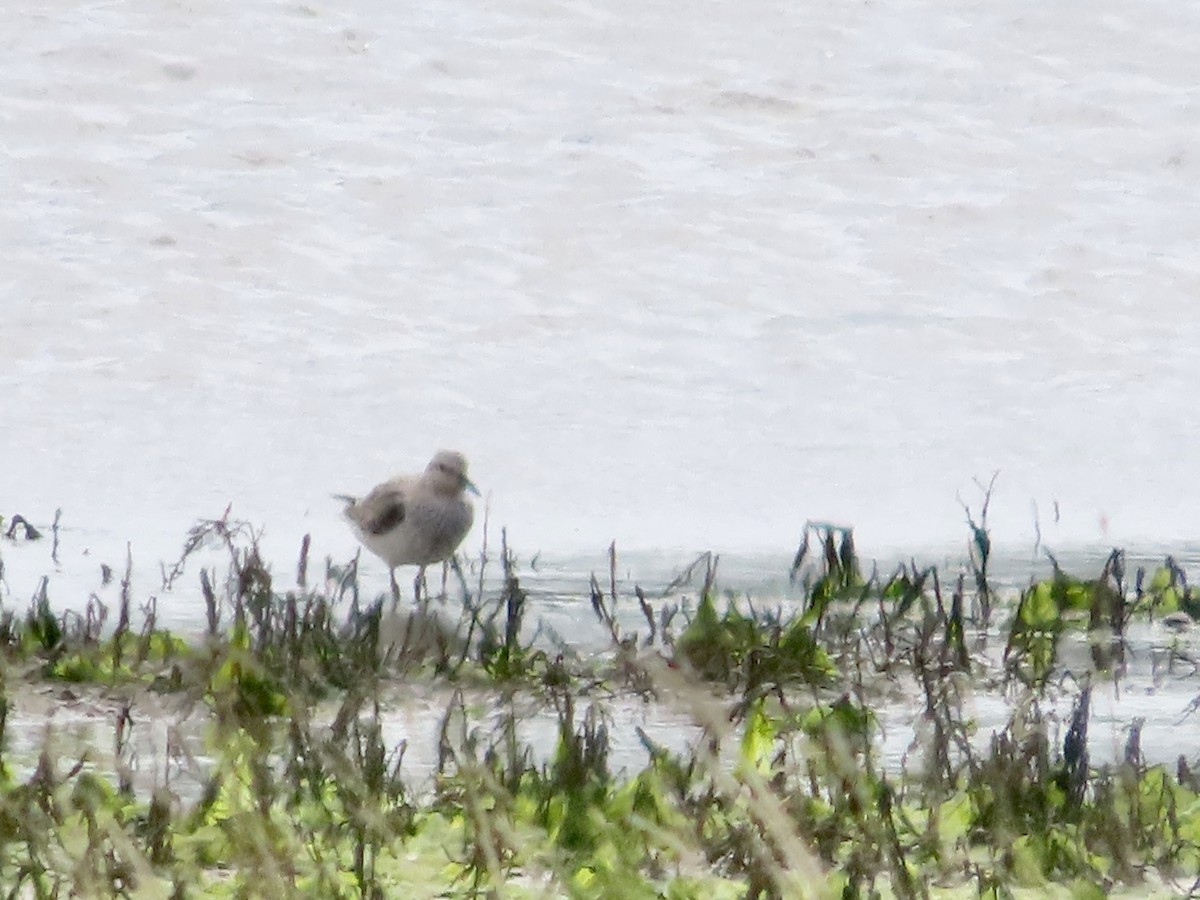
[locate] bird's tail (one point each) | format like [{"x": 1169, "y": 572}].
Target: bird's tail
[{"x": 345, "y": 498}]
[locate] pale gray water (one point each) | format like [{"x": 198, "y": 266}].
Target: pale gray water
[{"x": 680, "y": 276}]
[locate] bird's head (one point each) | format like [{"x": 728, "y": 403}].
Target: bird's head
[{"x": 448, "y": 473}]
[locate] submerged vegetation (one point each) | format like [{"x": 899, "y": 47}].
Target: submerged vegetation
[{"x": 290, "y": 781}]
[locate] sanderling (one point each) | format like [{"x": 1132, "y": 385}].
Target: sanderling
[{"x": 415, "y": 520}]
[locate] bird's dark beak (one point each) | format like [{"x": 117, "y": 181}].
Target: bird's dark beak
[{"x": 470, "y": 486}]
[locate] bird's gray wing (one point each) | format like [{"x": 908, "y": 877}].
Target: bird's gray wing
[{"x": 381, "y": 510}]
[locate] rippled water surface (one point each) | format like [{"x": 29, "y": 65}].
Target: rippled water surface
[{"x": 680, "y": 276}]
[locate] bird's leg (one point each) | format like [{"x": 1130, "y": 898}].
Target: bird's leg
[
  {"x": 418, "y": 583},
  {"x": 395, "y": 586}
]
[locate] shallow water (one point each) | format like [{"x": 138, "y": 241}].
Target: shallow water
[
  {"x": 169, "y": 739},
  {"x": 678, "y": 278},
  {"x": 1158, "y": 686}
]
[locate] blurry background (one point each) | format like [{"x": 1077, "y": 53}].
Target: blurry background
[{"x": 675, "y": 275}]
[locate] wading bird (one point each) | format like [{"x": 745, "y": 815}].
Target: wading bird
[{"x": 415, "y": 520}]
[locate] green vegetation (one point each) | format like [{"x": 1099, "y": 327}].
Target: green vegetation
[{"x": 782, "y": 792}]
